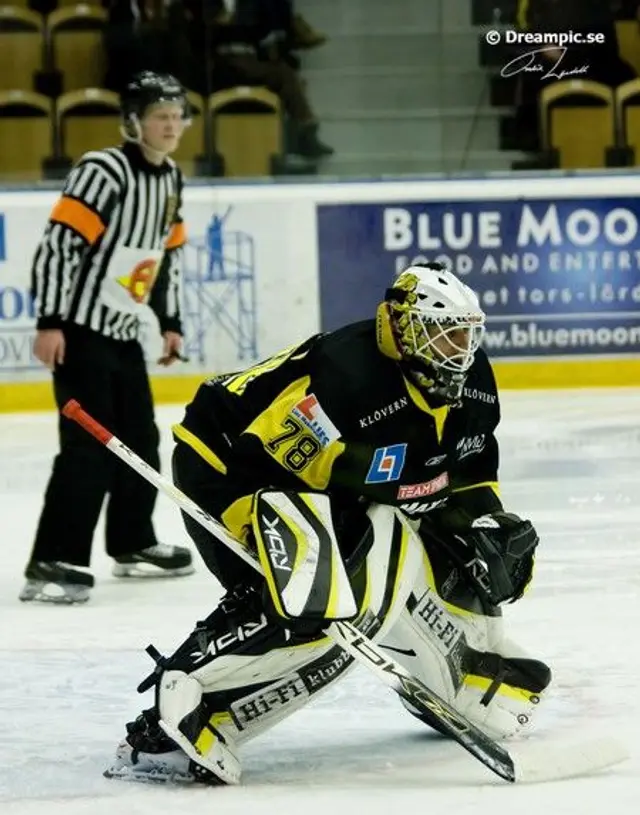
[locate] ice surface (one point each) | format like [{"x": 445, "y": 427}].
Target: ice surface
[{"x": 68, "y": 675}]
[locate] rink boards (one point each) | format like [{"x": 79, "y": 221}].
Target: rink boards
[{"x": 554, "y": 259}]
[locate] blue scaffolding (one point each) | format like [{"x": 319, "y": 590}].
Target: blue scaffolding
[{"x": 220, "y": 291}]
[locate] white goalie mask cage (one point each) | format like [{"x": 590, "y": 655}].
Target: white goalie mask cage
[{"x": 437, "y": 318}]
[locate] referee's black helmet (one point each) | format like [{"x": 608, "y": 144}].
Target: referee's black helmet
[{"x": 149, "y": 88}]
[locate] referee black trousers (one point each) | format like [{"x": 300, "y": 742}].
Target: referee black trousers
[{"x": 109, "y": 379}]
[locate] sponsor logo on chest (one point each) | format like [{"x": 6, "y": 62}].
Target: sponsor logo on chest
[
  {"x": 412, "y": 491},
  {"x": 432, "y": 462},
  {"x": 386, "y": 464},
  {"x": 311, "y": 414},
  {"x": 384, "y": 412},
  {"x": 421, "y": 507},
  {"x": 480, "y": 396},
  {"x": 470, "y": 445}
]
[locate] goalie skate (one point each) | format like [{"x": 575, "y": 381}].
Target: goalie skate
[
  {"x": 147, "y": 755},
  {"x": 150, "y": 768}
]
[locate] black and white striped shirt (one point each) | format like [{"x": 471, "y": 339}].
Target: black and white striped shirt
[{"x": 112, "y": 245}]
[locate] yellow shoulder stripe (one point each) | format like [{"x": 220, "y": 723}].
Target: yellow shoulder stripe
[{"x": 200, "y": 447}]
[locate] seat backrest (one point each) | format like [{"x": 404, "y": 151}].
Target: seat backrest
[
  {"x": 578, "y": 120},
  {"x": 628, "y": 33},
  {"x": 21, "y": 47},
  {"x": 25, "y": 134},
  {"x": 247, "y": 129},
  {"x": 192, "y": 143},
  {"x": 75, "y": 45},
  {"x": 627, "y": 101},
  {"x": 87, "y": 119}
]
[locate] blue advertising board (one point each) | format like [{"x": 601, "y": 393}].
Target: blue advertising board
[{"x": 556, "y": 277}]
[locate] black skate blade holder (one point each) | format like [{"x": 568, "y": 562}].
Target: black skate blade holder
[{"x": 152, "y": 680}]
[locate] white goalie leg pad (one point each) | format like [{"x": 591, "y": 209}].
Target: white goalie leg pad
[
  {"x": 300, "y": 556},
  {"x": 236, "y": 685},
  {"x": 455, "y": 653},
  {"x": 179, "y": 695}
]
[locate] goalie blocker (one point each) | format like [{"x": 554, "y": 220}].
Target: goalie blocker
[{"x": 260, "y": 656}]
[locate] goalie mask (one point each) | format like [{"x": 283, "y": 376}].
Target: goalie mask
[{"x": 433, "y": 324}]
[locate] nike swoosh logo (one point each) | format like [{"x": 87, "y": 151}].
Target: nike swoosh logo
[{"x": 404, "y": 651}]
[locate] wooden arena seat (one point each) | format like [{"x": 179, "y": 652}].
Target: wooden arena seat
[
  {"x": 87, "y": 119},
  {"x": 21, "y": 47},
  {"x": 26, "y": 127},
  {"x": 627, "y": 101},
  {"x": 578, "y": 122},
  {"x": 247, "y": 130},
  {"x": 75, "y": 45}
]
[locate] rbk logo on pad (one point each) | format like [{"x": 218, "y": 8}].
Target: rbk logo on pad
[{"x": 387, "y": 464}]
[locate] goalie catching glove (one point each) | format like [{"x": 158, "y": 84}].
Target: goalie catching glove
[{"x": 496, "y": 552}]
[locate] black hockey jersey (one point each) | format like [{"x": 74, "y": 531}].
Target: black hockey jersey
[{"x": 335, "y": 414}]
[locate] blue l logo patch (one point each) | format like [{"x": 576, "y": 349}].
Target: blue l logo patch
[{"x": 387, "y": 464}]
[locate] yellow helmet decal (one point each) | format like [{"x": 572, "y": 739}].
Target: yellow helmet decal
[
  {"x": 385, "y": 333},
  {"x": 407, "y": 281}
]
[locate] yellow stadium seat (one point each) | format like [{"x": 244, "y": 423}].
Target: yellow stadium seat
[
  {"x": 627, "y": 99},
  {"x": 192, "y": 144},
  {"x": 21, "y": 47},
  {"x": 578, "y": 121},
  {"x": 26, "y": 135},
  {"x": 247, "y": 130},
  {"x": 628, "y": 32},
  {"x": 75, "y": 43},
  {"x": 87, "y": 119}
]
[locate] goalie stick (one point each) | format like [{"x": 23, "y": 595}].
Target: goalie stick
[{"x": 528, "y": 765}]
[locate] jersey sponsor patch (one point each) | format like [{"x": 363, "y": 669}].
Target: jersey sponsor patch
[
  {"x": 432, "y": 462},
  {"x": 412, "y": 491},
  {"x": 422, "y": 507},
  {"x": 129, "y": 279},
  {"x": 140, "y": 282},
  {"x": 310, "y": 413},
  {"x": 387, "y": 464},
  {"x": 480, "y": 396},
  {"x": 470, "y": 446}
]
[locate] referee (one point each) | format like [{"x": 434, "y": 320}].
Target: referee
[{"x": 111, "y": 247}]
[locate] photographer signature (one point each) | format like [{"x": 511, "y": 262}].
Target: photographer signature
[{"x": 528, "y": 63}]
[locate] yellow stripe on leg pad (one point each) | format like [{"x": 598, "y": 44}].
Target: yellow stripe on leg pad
[
  {"x": 511, "y": 691},
  {"x": 205, "y": 741},
  {"x": 207, "y": 737}
]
